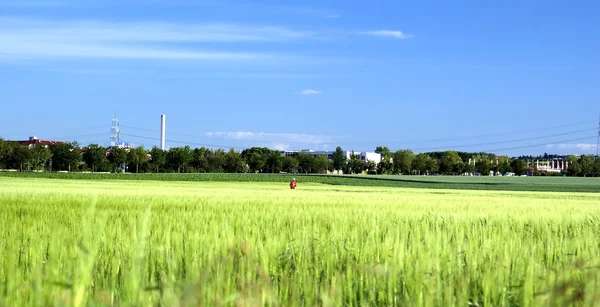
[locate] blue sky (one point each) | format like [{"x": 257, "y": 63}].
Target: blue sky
[{"x": 511, "y": 77}]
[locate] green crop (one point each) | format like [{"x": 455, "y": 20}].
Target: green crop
[
  {"x": 549, "y": 184},
  {"x": 173, "y": 243}
]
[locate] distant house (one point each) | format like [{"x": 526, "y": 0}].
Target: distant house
[{"x": 34, "y": 141}]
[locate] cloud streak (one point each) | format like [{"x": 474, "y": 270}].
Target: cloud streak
[
  {"x": 24, "y": 48},
  {"x": 583, "y": 147},
  {"x": 32, "y": 38},
  {"x": 98, "y": 31},
  {"x": 134, "y": 40},
  {"x": 388, "y": 33},
  {"x": 310, "y": 92}
]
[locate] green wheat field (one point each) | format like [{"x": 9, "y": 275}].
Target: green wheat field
[{"x": 67, "y": 242}]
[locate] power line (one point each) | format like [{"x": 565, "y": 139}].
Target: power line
[
  {"x": 415, "y": 141},
  {"x": 534, "y": 145},
  {"x": 505, "y": 142},
  {"x": 182, "y": 142},
  {"x": 141, "y": 129},
  {"x": 416, "y": 149},
  {"x": 480, "y": 136},
  {"x": 421, "y": 141},
  {"x": 542, "y": 144},
  {"x": 157, "y": 131}
]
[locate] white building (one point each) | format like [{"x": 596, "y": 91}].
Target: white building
[{"x": 364, "y": 156}]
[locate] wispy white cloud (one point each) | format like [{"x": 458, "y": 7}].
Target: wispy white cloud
[
  {"x": 71, "y": 39},
  {"x": 24, "y": 48},
  {"x": 282, "y": 139},
  {"x": 310, "y": 92},
  {"x": 583, "y": 147},
  {"x": 133, "y": 40},
  {"x": 388, "y": 33},
  {"x": 279, "y": 146},
  {"x": 98, "y": 31}
]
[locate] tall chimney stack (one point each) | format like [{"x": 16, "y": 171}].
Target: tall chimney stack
[{"x": 163, "y": 119}]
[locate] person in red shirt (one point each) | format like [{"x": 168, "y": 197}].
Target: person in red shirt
[{"x": 293, "y": 183}]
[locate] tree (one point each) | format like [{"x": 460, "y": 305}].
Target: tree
[
  {"x": 136, "y": 156},
  {"x": 432, "y": 165},
  {"x": 504, "y": 165},
  {"x": 117, "y": 157},
  {"x": 597, "y": 167},
  {"x": 256, "y": 157},
  {"x": 519, "y": 167},
  {"x": 40, "y": 155},
  {"x": 574, "y": 169},
  {"x": 321, "y": 163},
  {"x": 587, "y": 165},
  {"x": 371, "y": 167},
  {"x": 20, "y": 155},
  {"x": 385, "y": 166},
  {"x": 482, "y": 165},
  {"x": 338, "y": 159},
  {"x": 290, "y": 164},
  {"x": 305, "y": 162},
  {"x": 468, "y": 167},
  {"x": 5, "y": 152},
  {"x": 419, "y": 163},
  {"x": 449, "y": 163},
  {"x": 178, "y": 158},
  {"x": 234, "y": 163},
  {"x": 355, "y": 164},
  {"x": 200, "y": 160},
  {"x": 64, "y": 157},
  {"x": 95, "y": 158},
  {"x": 385, "y": 152},
  {"x": 217, "y": 160},
  {"x": 74, "y": 144},
  {"x": 274, "y": 162},
  {"x": 257, "y": 162},
  {"x": 402, "y": 161},
  {"x": 459, "y": 168},
  {"x": 158, "y": 158}
]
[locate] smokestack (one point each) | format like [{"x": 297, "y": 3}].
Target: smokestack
[{"x": 163, "y": 119}]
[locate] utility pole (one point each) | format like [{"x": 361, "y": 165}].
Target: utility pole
[
  {"x": 163, "y": 119},
  {"x": 598, "y": 139},
  {"x": 115, "y": 130}
]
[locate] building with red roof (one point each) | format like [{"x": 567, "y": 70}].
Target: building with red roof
[{"x": 34, "y": 141}]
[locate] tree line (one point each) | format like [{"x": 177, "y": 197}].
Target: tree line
[{"x": 96, "y": 158}]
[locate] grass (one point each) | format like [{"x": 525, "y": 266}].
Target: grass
[
  {"x": 540, "y": 184},
  {"x": 173, "y": 243}
]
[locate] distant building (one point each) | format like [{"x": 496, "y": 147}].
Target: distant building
[
  {"x": 125, "y": 145},
  {"x": 551, "y": 165},
  {"x": 364, "y": 156},
  {"x": 34, "y": 141}
]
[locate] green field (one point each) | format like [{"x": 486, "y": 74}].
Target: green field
[
  {"x": 540, "y": 184},
  {"x": 205, "y": 243}
]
